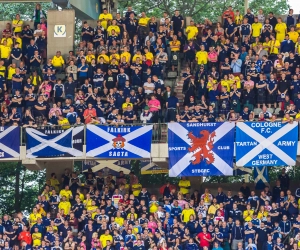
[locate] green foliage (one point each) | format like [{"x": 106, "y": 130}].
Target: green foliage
[
  {"x": 199, "y": 10},
  {"x": 9, "y": 10},
  {"x": 19, "y": 187}
]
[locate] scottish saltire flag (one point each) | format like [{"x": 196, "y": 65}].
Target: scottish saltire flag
[
  {"x": 54, "y": 142},
  {"x": 9, "y": 142},
  {"x": 150, "y": 167},
  {"x": 107, "y": 166},
  {"x": 266, "y": 144},
  {"x": 118, "y": 142},
  {"x": 241, "y": 170},
  {"x": 261, "y": 177},
  {"x": 201, "y": 149}
]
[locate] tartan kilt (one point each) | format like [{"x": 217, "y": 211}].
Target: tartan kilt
[
  {"x": 261, "y": 96},
  {"x": 272, "y": 98}
]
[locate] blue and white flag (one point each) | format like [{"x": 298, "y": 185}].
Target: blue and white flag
[
  {"x": 241, "y": 170},
  {"x": 9, "y": 142},
  {"x": 201, "y": 149},
  {"x": 118, "y": 142},
  {"x": 261, "y": 177},
  {"x": 266, "y": 144},
  {"x": 54, "y": 142},
  {"x": 107, "y": 166}
]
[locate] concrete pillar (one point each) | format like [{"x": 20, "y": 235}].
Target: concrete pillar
[
  {"x": 246, "y": 6},
  {"x": 188, "y": 20},
  {"x": 61, "y": 30}
]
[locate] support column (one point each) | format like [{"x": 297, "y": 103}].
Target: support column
[
  {"x": 246, "y": 6},
  {"x": 60, "y": 32}
]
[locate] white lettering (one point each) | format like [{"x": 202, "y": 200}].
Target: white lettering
[
  {"x": 118, "y": 154},
  {"x": 197, "y": 170},
  {"x": 223, "y": 147},
  {"x": 177, "y": 148},
  {"x": 286, "y": 143},
  {"x": 118, "y": 130},
  {"x": 246, "y": 143},
  {"x": 266, "y": 124},
  {"x": 264, "y": 162},
  {"x": 200, "y": 124},
  {"x": 265, "y": 156}
]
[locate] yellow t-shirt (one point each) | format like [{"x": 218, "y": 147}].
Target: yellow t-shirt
[
  {"x": 88, "y": 203},
  {"x": 280, "y": 29},
  {"x": 153, "y": 207},
  {"x": 33, "y": 218},
  {"x": 2, "y": 70},
  {"x": 177, "y": 43},
  {"x": 298, "y": 27},
  {"x": 66, "y": 193},
  {"x": 37, "y": 237},
  {"x": 64, "y": 123},
  {"x": 193, "y": 30},
  {"x": 58, "y": 61},
  {"x": 19, "y": 28},
  {"x": 248, "y": 215},
  {"x": 90, "y": 209},
  {"x": 105, "y": 58},
  {"x": 293, "y": 36},
  {"x": 5, "y": 51},
  {"x": 237, "y": 81},
  {"x": 238, "y": 19},
  {"x": 267, "y": 44},
  {"x": 136, "y": 189},
  {"x": 210, "y": 84},
  {"x": 127, "y": 55},
  {"x": 261, "y": 215},
  {"x": 273, "y": 49},
  {"x": 19, "y": 40},
  {"x": 113, "y": 27},
  {"x": 149, "y": 56},
  {"x": 11, "y": 72},
  {"x": 34, "y": 80},
  {"x": 137, "y": 56},
  {"x": 9, "y": 41},
  {"x": 54, "y": 183},
  {"x": 66, "y": 206},
  {"x": 226, "y": 83},
  {"x": 105, "y": 16},
  {"x": 297, "y": 46},
  {"x": 184, "y": 186},
  {"x": 256, "y": 29},
  {"x": 186, "y": 213},
  {"x": 212, "y": 209},
  {"x": 89, "y": 58},
  {"x": 202, "y": 57},
  {"x": 116, "y": 56},
  {"x": 144, "y": 21},
  {"x": 104, "y": 238},
  {"x": 119, "y": 221}
]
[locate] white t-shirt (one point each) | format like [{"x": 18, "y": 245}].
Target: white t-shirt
[{"x": 148, "y": 91}]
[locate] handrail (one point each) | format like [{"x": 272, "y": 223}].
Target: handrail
[{"x": 159, "y": 134}]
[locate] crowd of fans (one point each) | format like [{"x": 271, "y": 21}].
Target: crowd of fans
[
  {"x": 116, "y": 212},
  {"x": 116, "y": 76},
  {"x": 243, "y": 69}
]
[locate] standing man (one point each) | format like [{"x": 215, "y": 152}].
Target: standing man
[
  {"x": 177, "y": 22},
  {"x": 284, "y": 181},
  {"x": 237, "y": 235}
]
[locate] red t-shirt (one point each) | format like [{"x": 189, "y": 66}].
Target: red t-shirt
[{"x": 204, "y": 242}]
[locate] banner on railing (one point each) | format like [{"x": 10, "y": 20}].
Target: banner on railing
[
  {"x": 200, "y": 149},
  {"x": 149, "y": 167},
  {"x": 9, "y": 142},
  {"x": 107, "y": 166},
  {"x": 54, "y": 142},
  {"x": 118, "y": 142},
  {"x": 266, "y": 144}
]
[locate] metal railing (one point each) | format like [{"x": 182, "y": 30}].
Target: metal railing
[{"x": 159, "y": 133}]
